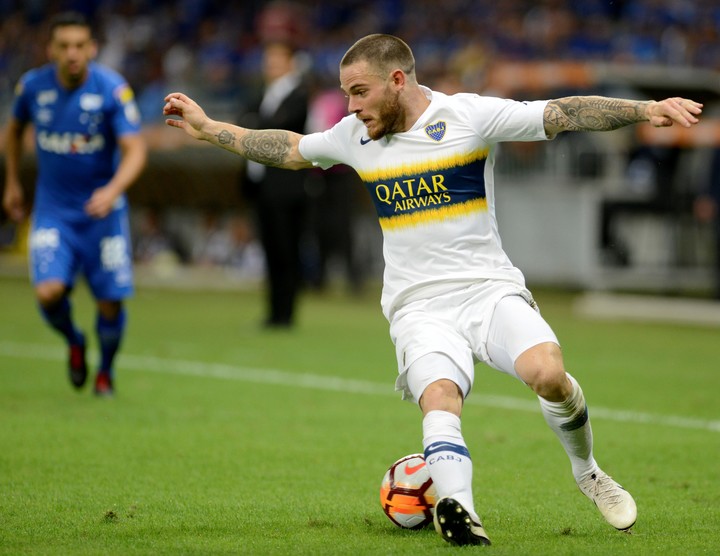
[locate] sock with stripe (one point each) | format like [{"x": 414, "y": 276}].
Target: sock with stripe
[
  {"x": 109, "y": 333},
  {"x": 570, "y": 422},
  {"x": 448, "y": 459}
]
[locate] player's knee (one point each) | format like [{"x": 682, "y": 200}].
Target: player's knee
[
  {"x": 542, "y": 369},
  {"x": 553, "y": 386},
  {"x": 109, "y": 309},
  {"x": 443, "y": 395},
  {"x": 49, "y": 293}
]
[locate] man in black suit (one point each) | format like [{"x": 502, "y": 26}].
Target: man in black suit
[
  {"x": 707, "y": 210},
  {"x": 279, "y": 195}
]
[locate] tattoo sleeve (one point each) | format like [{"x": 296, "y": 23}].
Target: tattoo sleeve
[
  {"x": 594, "y": 113},
  {"x": 269, "y": 147}
]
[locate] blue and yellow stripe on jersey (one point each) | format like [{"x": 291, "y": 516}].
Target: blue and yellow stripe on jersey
[{"x": 430, "y": 191}]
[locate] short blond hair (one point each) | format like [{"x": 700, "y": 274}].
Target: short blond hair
[{"x": 382, "y": 52}]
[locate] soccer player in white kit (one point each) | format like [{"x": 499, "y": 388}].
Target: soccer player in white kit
[{"x": 450, "y": 293}]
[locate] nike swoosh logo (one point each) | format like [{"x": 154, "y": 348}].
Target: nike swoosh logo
[
  {"x": 364, "y": 141},
  {"x": 410, "y": 469}
]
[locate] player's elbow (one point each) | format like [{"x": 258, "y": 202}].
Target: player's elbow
[
  {"x": 294, "y": 160},
  {"x": 297, "y": 164},
  {"x": 134, "y": 147},
  {"x": 14, "y": 130}
]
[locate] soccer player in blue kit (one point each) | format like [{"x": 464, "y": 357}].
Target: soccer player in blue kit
[
  {"x": 89, "y": 152},
  {"x": 450, "y": 293}
]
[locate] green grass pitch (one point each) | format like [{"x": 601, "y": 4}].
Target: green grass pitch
[{"x": 228, "y": 439}]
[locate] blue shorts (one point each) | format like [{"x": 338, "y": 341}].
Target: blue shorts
[{"x": 100, "y": 249}]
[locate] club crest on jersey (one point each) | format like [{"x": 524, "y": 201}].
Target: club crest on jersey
[
  {"x": 90, "y": 102},
  {"x": 436, "y": 131}
]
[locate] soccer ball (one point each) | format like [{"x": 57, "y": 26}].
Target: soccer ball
[{"x": 407, "y": 493}]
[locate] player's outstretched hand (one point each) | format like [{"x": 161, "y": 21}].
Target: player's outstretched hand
[
  {"x": 674, "y": 110},
  {"x": 192, "y": 117}
]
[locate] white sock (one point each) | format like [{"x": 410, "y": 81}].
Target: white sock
[
  {"x": 448, "y": 459},
  {"x": 569, "y": 419}
]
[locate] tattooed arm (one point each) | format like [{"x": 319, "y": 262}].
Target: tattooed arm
[
  {"x": 271, "y": 147},
  {"x": 594, "y": 113}
]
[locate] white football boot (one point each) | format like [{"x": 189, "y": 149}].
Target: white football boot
[
  {"x": 614, "y": 502},
  {"x": 456, "y": 526}
]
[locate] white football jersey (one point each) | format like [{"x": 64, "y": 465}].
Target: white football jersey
[{"x": 432, "y": 187}]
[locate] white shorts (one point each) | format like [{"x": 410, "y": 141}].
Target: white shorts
[{"x": 445, "y": 336}]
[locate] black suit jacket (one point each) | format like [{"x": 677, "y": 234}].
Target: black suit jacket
[{"x": 278, "y": 184}]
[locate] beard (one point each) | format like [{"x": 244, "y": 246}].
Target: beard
[
  {"x": 391, "y": 117},
  {"x": 73, "y": 76}
]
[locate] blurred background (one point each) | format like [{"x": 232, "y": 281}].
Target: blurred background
[{"x": 631, "y": 210}]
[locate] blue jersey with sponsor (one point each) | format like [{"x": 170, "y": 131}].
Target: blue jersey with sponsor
[{"x": 76, "y": 133}]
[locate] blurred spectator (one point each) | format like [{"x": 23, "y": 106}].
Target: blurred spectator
[
  {"x": 154, "y": 245},
  {"x": 211, "y": 243},
  {"x": 333, "y": 195},
  {"x": 707, "y": 210},
  {"x": 650, "y": 189},
  {"x": 229, "y": 243},
  {"x": 278, "y": 195},
  {"x": 246, "y": 260},
  {"x": 211, "y": 44}
]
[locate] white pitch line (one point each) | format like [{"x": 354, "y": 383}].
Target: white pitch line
[{"x": 334, "y": 384}]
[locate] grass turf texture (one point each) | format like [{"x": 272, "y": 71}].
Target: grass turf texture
[{"x": 204, "y": 450}]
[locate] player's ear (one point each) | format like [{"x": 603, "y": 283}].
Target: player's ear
[
  {"x": 398, "y": 78},
  {"x": 93, "y": 49}
]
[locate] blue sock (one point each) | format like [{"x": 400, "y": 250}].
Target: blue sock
[
  {"x": 110, "y": 333},
  {"x": 59, "y": 317}
]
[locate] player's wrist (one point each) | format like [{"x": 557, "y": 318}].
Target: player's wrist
[
  {"x": 648, "y": 111},
  {"x": 209, "y": 129}
]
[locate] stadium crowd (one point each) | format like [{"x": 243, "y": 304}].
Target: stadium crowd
[{"x": 211, "y": 49}]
